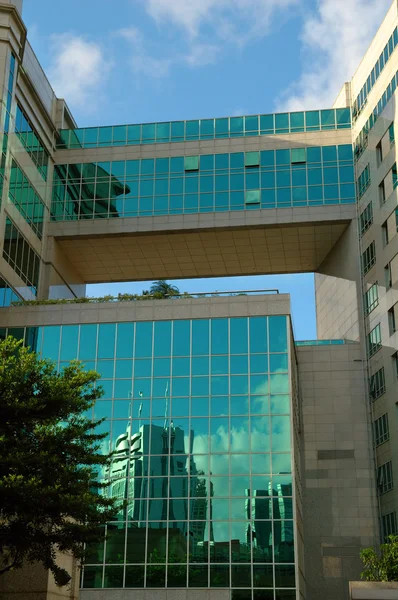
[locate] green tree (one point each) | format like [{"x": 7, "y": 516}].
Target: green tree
[
  {"x": 161, "y": 289},
  {"x": 50, "y": 456},
  {"x": 382, "y": 566}
]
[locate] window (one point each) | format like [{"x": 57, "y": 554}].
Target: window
[
  {"x": 371, "y": 299},
  {"x": 379, "y": 153},
  {"x": 366, "y": 218},
  {"x": 377, "y": 384},
  {"x": 191, "y": 163},
  {"x": 252, "y": 159},
  {"x": 389, "y": 525},
  {"x": 30, "y": 139},
  {"x": 368, "y": 258},
  {"x": 381, "y": 431},
  {"x": 393, "y": 318},
  {"x": 298, "y": 155},
  {"x": 384, "y": 478},
  {"x": 363, "y": 181},
  {"x": 382, "y": 193},
  {"x": 391, "y": 134},
  {"x": 252, "y": 197},
  {"x": 374, "y": 340},
  {"x": 384, "y": 233},
  {"x": 395, "y": 364},
  {"x": 388, "y": 276},
  {"x": 394, "y": 176},
  {"x": 20, "y": 256}
]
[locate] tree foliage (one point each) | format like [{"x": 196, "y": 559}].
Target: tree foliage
[
  {"x": 162, "y": 288},
  {"x": 382, "y": 566},
  {"x": 50, "y": 456}
]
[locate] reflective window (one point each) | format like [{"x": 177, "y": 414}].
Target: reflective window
[{"x": 198, "y": 415}]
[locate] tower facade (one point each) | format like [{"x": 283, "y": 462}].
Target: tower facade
[{"x": 254, "y": 466}]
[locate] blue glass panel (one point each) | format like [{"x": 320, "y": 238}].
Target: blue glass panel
[
  {"x": 282, "y": 123},
  {"x": 192, "y": 130},
  {"x": 50, "y": 346},
  {"x": 267, "y": 158},
  {"x": 88, "y": 342},
  {"x": 312, "y": 120},
  {"x": 239, "y": 336},
  {"x": 143, "y": 340},
  {"x": 70, "y": 335},
  {"x": 207, "y": 128},
  {"x": 236, "y": 126},
  {"x": 177, "y": 131},
  {"x": 106, "y": 340},
  {"x": 200, "y": 337},
  {"x": 267, "y": 124},
  {"x": 277, "y": 334},
  {"x": 283, "y": 157}
]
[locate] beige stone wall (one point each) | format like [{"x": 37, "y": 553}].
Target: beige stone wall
[
  {"x": 337, "y": 292},
  {"x": 339, "y": 499}
]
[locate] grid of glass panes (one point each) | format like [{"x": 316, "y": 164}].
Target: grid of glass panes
[
  {"x": 363, "y": 181},
  {"x": 385, "y": 481},
  {"x": 389, "y": 525},
  {"x": 203, "y": 407},
  {"x": 375, "y": 73},
  {"x": 163, "y": 186},
  {"x": 371, "y": 298},
  {"x": 377, "y": 384},
  {"x": 24, "y": 196},
  {"x": 368, "y": 258},
  {"x": 374, "y": 340},
  {"x": 20, "y": 256},
  {"x": 366, "y": 218},
  {"x": 31, "y": 141},
  {"x": 381, "y": 431},
  {"x": 362, "y": 140},
  {"x": 205, "y": 129}
]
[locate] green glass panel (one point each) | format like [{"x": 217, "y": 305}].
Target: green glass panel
[
  {"x": 192, "y": 130},
  {"x": 135, "y": 575},
  {"x": 328, "y": 119},
  {"x": 252, "y": 159},
  {"x": 252, "y": 197},
  {"x": 143, "y": 340},
  {"x": 92, "y": 577},
  {"x": 191, "y": 163},
  {"x": 298, "y": 155}
]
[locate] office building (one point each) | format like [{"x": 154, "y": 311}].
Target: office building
[{"x": 255, "y": 466}]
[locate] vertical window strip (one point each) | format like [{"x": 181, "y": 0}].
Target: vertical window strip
[
  {"x": 363, "y": 181},
  {"x": 362, "y": 140},
  {"x": 366, "y": 218},
  {"x": 20, "y": 256},
  {"x": 385, "y": 481},
  {"x": 368, "y": 258},
  {"x": 377, "y": 384},
  {"x": 374, "y": 342},
  {"x": 389, "y": 525},
  {"x": 381, "y": 431},
  {"x": 25, "y": 198},
  {"x": 375, "y": 74},
  {"x": 31, "y": 141},
  {"x": 371, "y": 299}
]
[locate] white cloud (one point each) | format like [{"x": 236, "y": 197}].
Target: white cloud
[
  {"x": 232, "y": 20},
  {"x": 334, "y": 41},
  {"x": 142, "y": 62},
  {"x": 77, "y": 68},
  {"x": 201, "y": 55}
]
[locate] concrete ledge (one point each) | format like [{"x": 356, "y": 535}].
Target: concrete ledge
[{"x": 369, "y": 590}]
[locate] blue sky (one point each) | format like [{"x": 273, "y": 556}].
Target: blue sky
[{"x": 133, "y": 61}]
